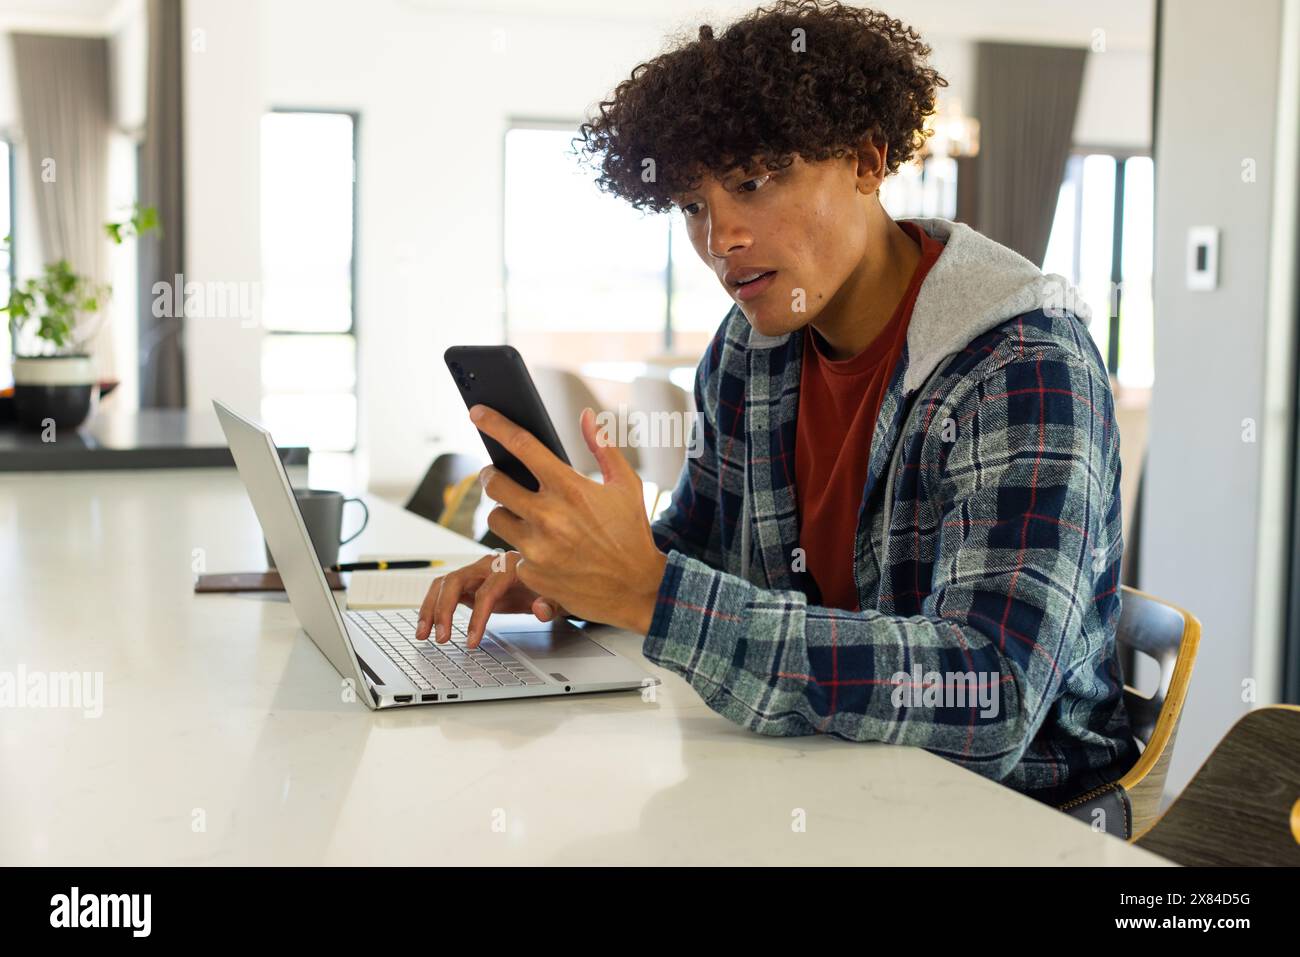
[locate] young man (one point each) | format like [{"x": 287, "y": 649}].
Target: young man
[{"x": 905, "y": 523}]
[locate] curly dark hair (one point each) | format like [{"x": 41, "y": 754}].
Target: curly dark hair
[{"x": 762, "y": 90}]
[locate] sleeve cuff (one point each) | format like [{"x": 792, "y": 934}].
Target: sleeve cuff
[{"x": 698, "y": 622}]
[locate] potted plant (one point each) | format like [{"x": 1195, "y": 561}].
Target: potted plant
[{"x": 52, "y": 318}]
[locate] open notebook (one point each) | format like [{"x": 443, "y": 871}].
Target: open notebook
[{"x": 399, "y": 588}]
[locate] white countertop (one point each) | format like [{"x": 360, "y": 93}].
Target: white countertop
[{"x": 224, "y": 740}]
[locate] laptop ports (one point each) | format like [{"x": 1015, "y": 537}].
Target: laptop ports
[
  {"x": 403, "y": 698},
  {"x": 428, "y": 697}
]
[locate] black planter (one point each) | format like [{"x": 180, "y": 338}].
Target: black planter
[{"x": 61, "y": 389}]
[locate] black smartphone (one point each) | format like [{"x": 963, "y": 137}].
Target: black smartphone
[{"x": 496, "y": 376}]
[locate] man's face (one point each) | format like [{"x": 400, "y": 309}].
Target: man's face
[{"x": 802, "y": 226}]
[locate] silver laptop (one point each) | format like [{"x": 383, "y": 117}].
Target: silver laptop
[{"x": 519, "y": 656}]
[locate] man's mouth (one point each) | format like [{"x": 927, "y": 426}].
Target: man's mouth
[{"x": 747, "y": 287}]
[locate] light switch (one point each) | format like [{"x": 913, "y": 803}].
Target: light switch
[{"x": 1203, "y": 258}]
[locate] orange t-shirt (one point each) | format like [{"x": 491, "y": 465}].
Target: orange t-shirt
[{"x": 839, "y": 401}]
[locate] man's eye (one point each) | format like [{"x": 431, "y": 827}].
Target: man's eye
[
  {"x": 690, "y": 209},
  {"x": 757, "y": 181}
]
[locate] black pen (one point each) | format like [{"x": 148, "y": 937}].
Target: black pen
[{"x": 384, "y": 566}]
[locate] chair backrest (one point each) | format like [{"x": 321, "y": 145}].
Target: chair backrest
[
  {"x": 430, "y": 496},
  {"x": 662, "y": 458},
  {"x": 566, "y": 394},
  {"x": 1242, "y": 808},
  {"x": 1170, "y": 635},
  {"x": 462, "y": 503}
]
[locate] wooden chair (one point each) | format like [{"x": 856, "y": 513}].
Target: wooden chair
[
  {"x": 1170, "y": 635},
  {"x": 1242, "y": 808},
  {"x": 429, "y": 499},
  {"x": 449, "y": 494},
  {"x": 462, "y": 501}
]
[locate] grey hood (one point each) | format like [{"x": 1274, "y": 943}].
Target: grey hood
[{"x": 975, "y": 285}]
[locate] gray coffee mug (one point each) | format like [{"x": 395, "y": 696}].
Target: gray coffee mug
[{"x": 322, "y": 513}]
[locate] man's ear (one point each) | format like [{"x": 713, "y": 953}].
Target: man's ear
[{"x": 872, "y": 160}]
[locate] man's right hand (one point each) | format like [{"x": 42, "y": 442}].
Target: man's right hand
[{"x": 489, "y": 585}]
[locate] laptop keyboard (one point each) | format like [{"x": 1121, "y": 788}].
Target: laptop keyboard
[{"x": 450, "y": 666}]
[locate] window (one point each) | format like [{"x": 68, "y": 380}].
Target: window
[
  {"x": 123, "y": 266},
  {"x": 6, "y": 253},
  {"x": 698, "y": 300},
  {"x": 309, "y": 366},
  {"x": 590, "y": 281},
  {"x": 922, "y": 190},
  {"x": 1102, "y": 242}
]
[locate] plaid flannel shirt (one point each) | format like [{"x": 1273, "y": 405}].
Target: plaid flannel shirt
[{"x": 1000, "y": 565}]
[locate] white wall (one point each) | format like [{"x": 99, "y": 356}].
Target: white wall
[
  {"x": 1115, "y": 104},
  {"x": 435, "y": 90},
  {"x": 8, "y": 85},
  {"x": 224, "y": 100},
  {"x": 128, "y": 51},
  {"x": 1206, "y": 483},
  {"x": 128, "y": 60}
]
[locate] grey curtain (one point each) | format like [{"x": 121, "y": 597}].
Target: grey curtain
[
  {"x": 162, "y": 184},
  {"x": 1026, "y": 101},
  {"x": 63, "y": 101}
]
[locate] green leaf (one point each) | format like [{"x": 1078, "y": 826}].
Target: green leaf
[{"x": 145, "y": 219}]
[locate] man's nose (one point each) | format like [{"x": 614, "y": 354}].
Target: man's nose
[{"x": 727, "y": 233}]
